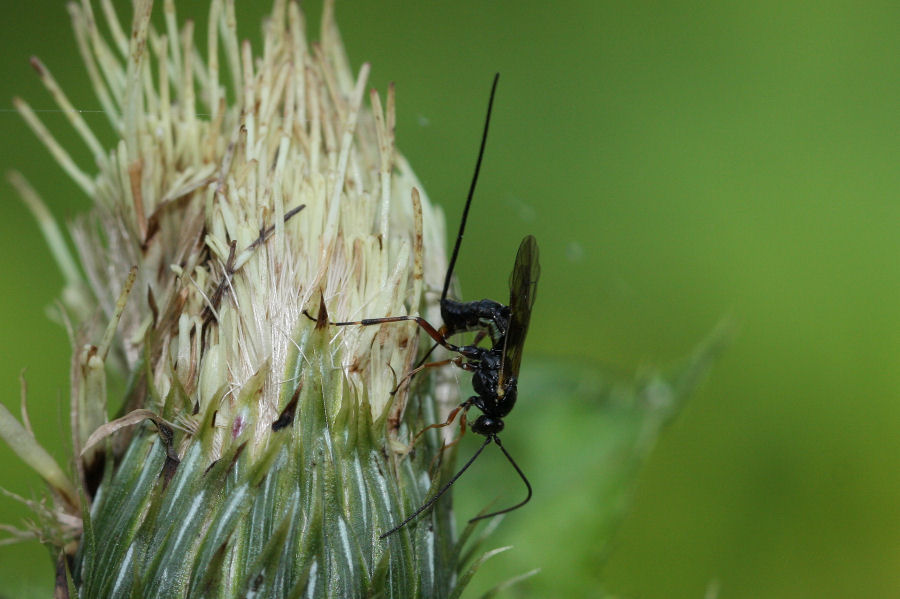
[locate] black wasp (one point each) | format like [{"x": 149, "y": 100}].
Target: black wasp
[{"x": 495, "y": 369}]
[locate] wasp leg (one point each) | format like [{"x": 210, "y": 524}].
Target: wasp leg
[
  {"x": 446, "y": 446},
  {"x": 443, "y": 331},
  {"x": 458, "y": 361},
  {"x": 424, "y": 324},
  {"x": 464, "y": 406}
]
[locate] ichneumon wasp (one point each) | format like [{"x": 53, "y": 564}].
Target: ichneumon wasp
[{"x": 496, "y": 368}]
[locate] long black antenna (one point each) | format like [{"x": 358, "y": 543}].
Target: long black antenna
[
  {"x": 521, "y": 474},
  {"x": 443, "y": 490},
  {"x": 465, "y": 214}
]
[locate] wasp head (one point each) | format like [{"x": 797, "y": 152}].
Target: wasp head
[{"x": 487, "y": 426}]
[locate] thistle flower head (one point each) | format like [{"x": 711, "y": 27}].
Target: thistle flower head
[
  {"x": 285, "y": 198},
  {"x": 251, "y": 198}
]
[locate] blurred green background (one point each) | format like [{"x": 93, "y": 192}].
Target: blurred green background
[{"x": 678, "y": 162}]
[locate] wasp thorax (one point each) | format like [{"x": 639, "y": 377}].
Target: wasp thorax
[{"x": 485, "y": 425}]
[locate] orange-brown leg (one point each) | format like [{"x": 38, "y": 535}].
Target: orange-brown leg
[
  {"x": 446, "y": 446},
  {"x": 479, "y": 336},
  {"x": 462, "y": 431},
  {"x": 443, "y": 332},
  {"x": 457, "y": 360},
  {"x": 450, "y": 418},
  {"x": 423, "y": 324}
]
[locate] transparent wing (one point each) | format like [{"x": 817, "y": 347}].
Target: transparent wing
[{"x": 522, "y": 291}]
